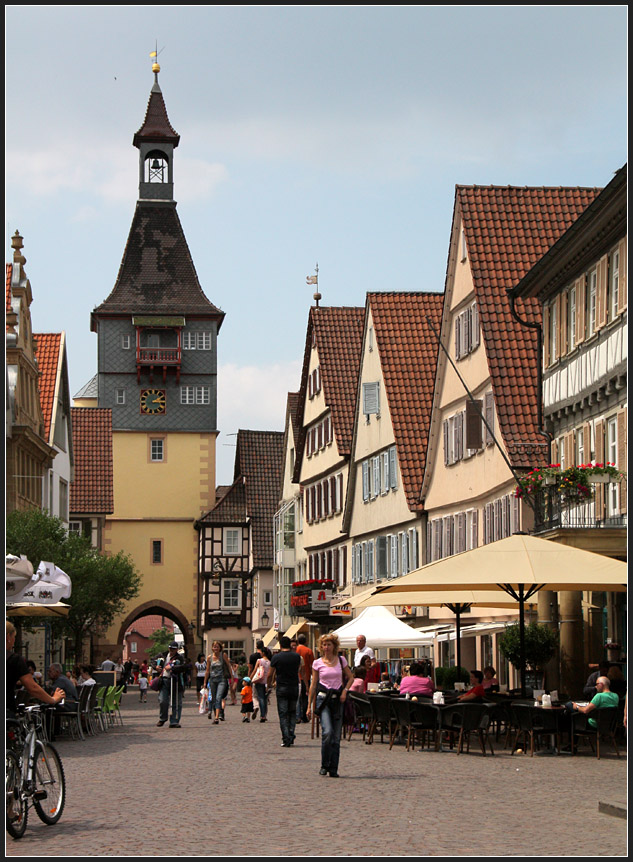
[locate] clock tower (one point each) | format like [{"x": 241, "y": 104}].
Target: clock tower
[{"x": 157, "y": 372}]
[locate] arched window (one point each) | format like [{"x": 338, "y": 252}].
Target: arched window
[{"x": 156, "y": 167}]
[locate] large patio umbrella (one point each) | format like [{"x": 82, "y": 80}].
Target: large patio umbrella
[
  {"x": 35, "y": 609},
  {"x": 519, "y": 567},
  {"x": 458, "y": 602}
]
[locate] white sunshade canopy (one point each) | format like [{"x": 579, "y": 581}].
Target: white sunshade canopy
[{"x": 381, "y": 629}]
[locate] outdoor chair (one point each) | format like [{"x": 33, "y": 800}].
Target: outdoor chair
[
  {"x": 462, "y": 719},
  {"x": 71, "y": 716},
  {"x": 532, "y": 722},
  {"x": 362, "y": 712},
  {"x": 116, "y": 703},
  {"x": 108, "y": 704},
  {"x": 401, "y": 713},
  {"x": 382, "y": 716},
  {"x": 607, "y": 721},
  {"x": 425, "y": 723},
  {"x": 97, "y": 708}
]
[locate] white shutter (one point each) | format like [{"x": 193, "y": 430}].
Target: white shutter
[
  {"x": 371, "y": 398},
  {"x": 394, "y": 556},
  {"x": 413, "y": 545},
  {"x": 393, "y": 468},
  {"x": 365, "y": 467},
  {"x": 474, "y": 324},
  {"x": 458, "y": 339},
  {"x": 385, "y": 472}
]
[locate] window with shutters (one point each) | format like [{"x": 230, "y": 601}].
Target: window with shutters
[
  {"x": 371, "y": 399},
  {"x": 382, "y": 568},
  {"x": 614, "y": 283},
  {"x": 571, "y": 319},
  {"x": 365, "y": 469},
  {"x": 393, "y": 564},
  {"x": 489, "y": 414},
  {"x": 466, "y": 331},
  {"x": 611, "y": 453},
  {"x": 592, "y": 297}
]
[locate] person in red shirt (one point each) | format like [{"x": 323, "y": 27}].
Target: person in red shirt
[
  {"x": 305, "y": 675},
  {"x": 477, "y": 690}
]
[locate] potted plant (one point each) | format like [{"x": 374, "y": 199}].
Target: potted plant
[
  {"x": 446, "y": 677},
  {"x": 541, "y": 643}
]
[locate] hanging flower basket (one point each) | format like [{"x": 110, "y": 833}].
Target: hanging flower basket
[{"x": 574, "y": 485}]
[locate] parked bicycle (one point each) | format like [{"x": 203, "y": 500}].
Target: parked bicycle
[{"x": 34, "y": 773}]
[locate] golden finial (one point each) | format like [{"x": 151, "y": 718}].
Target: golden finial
[{"x": 154, "y": 56}]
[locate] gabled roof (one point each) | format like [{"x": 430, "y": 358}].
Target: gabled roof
[
  {"x": 92, "y": 490},
  {"x": 507, "y": 229},
  {"x": 407, "y": 344},
  {"x": 254, "y": 495},
  {"x": 157, "y": 274},
  {"x": 48, "y": 354},
  {"x": 337, "y": 333}
]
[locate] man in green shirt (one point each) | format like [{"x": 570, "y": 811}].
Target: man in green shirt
[{"x": 604, "y": 698}]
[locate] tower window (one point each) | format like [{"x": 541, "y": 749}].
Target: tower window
[
  {"x": 126, "y": 342},
  {"x": 157, "y": 449},
  {"x": 120, "y": 396},
  {"x": 157, "y": 552},
  {"x": 156, "y": 168}
]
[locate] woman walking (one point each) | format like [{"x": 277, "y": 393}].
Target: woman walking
[
  {"x": 260, "y": 678},
  {"x": 201, "y": 667},
  {"x": 331, "y": 680},
  {"x": 216, "y": 676}
]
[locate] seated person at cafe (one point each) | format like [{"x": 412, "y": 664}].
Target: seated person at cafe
[
  {"x": 372, "y": 667},
  {"x": 418, "y": 681},
  {"x": 60, "y": 680},
  {"x": 477, "y": 691},
  {"x": 359, "y": 684},
  {"x": 490, "y": 681},
  {"x": 603, "y": 699},
  {"x": 385, "y": 682},
  {"x": 590, "y": 686},
  {"x": 85, "y": 677},
  {"x": 17, "y": 673}
]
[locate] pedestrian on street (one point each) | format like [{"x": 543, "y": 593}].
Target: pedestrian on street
[
  {"x": 260, "y": 678},
  {"x": 201, "y": 666},
  {"x": 305, "y": 675},
  {"x": 142, "y": 687},
  {"x": 172, "y": 673},
  {"x": 233, "y": 683},
  {"x": 247, "y": 699},
  {"x": 216, "y": 677},
  {"x": 285, "y": 674},
  {"x": 331, "y": 680}
]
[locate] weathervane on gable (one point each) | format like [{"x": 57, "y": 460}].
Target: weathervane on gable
[
  {"x": 154, "y": 56},
  {"x": 314, "y": 279}
]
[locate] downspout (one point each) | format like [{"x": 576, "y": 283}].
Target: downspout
[{"x": 539, "y": 370}]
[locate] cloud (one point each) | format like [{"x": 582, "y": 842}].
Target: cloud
[{"x": 108, "y": 173}]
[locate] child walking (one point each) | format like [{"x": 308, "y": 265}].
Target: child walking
[
  {"x": 142, "y": 687},
  {"x": 247, "y": 698}
]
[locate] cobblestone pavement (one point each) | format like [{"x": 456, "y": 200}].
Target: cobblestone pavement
[{"x": 232, "y": 790}]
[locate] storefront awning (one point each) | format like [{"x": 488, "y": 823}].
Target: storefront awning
[
  {"x": 295, "y": 628},
  {"x": 473, "y": 631},
  {"x": 270, "y": 636}
]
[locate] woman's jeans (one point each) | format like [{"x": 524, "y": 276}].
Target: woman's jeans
[
  {"x": 331, "y": 726},
  {"x": 217, "y": 692},
  {"x": 260, "y": 691}
]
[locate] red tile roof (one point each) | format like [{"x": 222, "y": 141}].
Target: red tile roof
[
  {"x": 507, "y": 230},
  {"x": 408, "y": 350},
  {"x": 92, "y": 491},
  {"x": 337, "y": 333},
  {"x": 47, "y": 352}
]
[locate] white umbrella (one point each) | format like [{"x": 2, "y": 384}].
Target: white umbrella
[
  {"x": 381, "y": 628},
  {"x": 48, "y": 585},
  {"x": 19, "y": 574}
]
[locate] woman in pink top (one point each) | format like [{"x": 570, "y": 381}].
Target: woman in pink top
[
  {"x": 359, "y": 683},
  {"x": 417, "y": 682},
  {"x": 331, "y": 680}
]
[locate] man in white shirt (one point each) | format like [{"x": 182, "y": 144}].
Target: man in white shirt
[
  {"x": 363, "y": 650},
  {"x": 108, "y": 664}
]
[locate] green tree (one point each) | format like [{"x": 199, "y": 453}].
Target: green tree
[
  {"x": 161, "y": 638},
  {"x": 541, "y": 643},
  {"x": 101, "y": 585}
]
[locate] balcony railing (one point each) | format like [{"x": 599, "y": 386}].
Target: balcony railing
[
  {"x": 158, "y": 355},
  {"x": 551, "y": 511}
]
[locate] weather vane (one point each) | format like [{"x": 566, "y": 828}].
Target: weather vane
[
  {"x": 154, "y": 56},
  {"x": 314, "y": 279}
]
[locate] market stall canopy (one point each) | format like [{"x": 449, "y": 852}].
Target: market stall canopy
[
  {"x": 382, "y": 629},
  {"x": 35, "y": 609},
  {"x": 270, "y": 637}
]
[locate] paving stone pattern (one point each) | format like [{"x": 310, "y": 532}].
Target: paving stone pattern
[{"x": 232, "y": 790}]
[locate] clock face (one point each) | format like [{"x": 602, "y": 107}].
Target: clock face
[{"x": 152, "y": 401}]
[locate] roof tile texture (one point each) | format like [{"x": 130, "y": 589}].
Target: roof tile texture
[
  {"x": 408, "y": 348},
  {"x": 157, "y": 274},
  {"x": 48, "y": 345},
  {"x": 507, "y": 230},
  {"x": 92, "y": 490},
  {"x": 156, "y": 126}
]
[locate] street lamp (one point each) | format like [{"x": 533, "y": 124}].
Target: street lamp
[{"x": 265, "y": 619}]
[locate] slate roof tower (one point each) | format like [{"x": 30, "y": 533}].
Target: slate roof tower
[{"x": 157, "y": 374}]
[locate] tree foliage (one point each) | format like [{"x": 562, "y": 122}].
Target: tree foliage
[
  {"x": 541, "y": 643},
  {"x": 101, "y": 585},
  {"x": 161, "y": 639}
]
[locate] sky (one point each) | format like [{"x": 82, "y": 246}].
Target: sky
[{"x": 329, "y": 135}]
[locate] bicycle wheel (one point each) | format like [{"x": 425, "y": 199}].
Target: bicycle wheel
[
  {"x": 50, "y": 784},
  {"x": 17, "y": 809}
]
